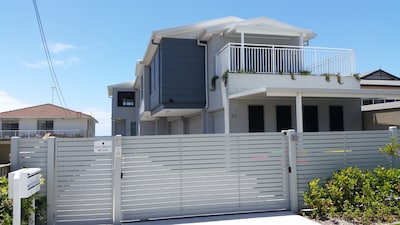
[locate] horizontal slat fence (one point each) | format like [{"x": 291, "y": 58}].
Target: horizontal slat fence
[
  {"x": 172, "y": 176},
  {"x": 152, "y": 177},
  {"x": 320, "y": 154},
  {"x": 84, "y": 183},
  {"x": 31, "y": 153}
]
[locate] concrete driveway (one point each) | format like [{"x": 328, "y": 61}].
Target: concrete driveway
[{"x": 240, "y": 219}]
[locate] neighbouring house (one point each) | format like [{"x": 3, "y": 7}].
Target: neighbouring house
[
  {"x": 123, "y": 116},
  {"x": 38, "y": 120},
  {"x": 234, "y": 75},
  {"x": 41, "y": 121},
  {"x": 380, "y": 113}
]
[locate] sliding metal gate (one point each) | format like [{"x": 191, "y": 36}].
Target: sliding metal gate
[{"x": 174, "y": 176}]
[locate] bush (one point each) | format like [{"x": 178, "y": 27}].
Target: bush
[
  {"x": 6, "y": 206},
  {"x": 358, "y": 196}
]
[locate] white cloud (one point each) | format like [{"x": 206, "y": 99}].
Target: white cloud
[
  {"x": 103, "y": 128},
  {"x": 57, "y": 48},
  {"x": 8, "y": 102},
  {"x": 63, "y": 63}
]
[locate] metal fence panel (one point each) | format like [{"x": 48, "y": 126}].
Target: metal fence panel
[
  {"x": 83, "y": 181},
  {"x": 320, "y": 154},
  {"x": 171, "y": 176}
]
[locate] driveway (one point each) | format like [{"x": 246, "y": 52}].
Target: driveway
[{"x": 240, "y": 219}]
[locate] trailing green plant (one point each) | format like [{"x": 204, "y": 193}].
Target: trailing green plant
[
  {"x": 6, "y": 206},
  {"x": 224, "y": 77},
  {"x": 339, "y": 78},
  {"x": 214, "y": 82},
  {"x": 362, "y": 197},
  {"x": 327, "y": 77},
  {"x": 292, "y": 76},
  {"x": 357, "y": 76},
  {"x": 305, "y": 72}
]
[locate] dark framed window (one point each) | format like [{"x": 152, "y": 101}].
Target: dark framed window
[
  {"x": 283, "y": 117},
  {"x": 336, "y": 118},
  {"x": 10, "y": 125},
  {"x": 256, "y": 118},
  {"x": 126, "y": 99},
  {"x": 310, "y": 119},
  {"x": 47, "y": 125}
]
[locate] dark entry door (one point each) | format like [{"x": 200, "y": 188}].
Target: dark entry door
[
  {"x": 256, "y": 118},
  {"x": 310, "y": 119},
  {"x": 283, "y": 117}
]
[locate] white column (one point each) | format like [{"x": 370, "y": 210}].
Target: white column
[
  {"x": 242, "y": 51},
  {"x": 292, "y": 139},
  {"x": 299, "y": 112},
  {"x": 117, "y": 179}
]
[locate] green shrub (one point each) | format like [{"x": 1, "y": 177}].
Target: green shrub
[
  {"x": 354, "y": 195},
  {"x": 6, "y": 206}
]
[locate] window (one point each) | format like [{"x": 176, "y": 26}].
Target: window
[
  {"x": 256, "y": 118},
  {"x": 46, "y": 125},
  {"x": 10, "y": 125},
  {"x": 336, "y": 118},
  {"x": 126, "y": 99},
  {"x": 283, "y": 117},
  {"x": 310, "y": 119}
]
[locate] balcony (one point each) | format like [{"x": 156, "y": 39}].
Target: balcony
[
  {"x": 7, "y": 134},
  {"x": 283, "y": 59}
]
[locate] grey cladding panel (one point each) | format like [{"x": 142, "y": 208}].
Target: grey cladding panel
[{"x": 183, "y": 67}]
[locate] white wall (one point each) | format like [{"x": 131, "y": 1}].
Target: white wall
[
  {"x": 195, "y": 125},
  {"x": 352, "y": 118},
  {"x": 27, "y": 124}
]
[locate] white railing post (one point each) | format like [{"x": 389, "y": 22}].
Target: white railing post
[
  {"x": 242, "y": 51},
  {"x": 14, "y": 153},
  {"x": 51, "y": 193},
  {"x": 117, "y": 179},
  {"x": 293, "y": 198},
  {"x": 393, "y": 135}
]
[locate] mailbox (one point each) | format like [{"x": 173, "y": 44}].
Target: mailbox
[{"x": 24, "y": 183}]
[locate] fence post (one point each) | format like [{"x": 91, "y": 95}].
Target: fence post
[
  {"x": 117, "y": 178},
  {"x": 51, "y": 196},
  {"x": 393, "y": 135},
  {"x": 14, "y": 153},
  {"x": 293, "y": 199}
]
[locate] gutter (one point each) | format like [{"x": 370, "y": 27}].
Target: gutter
[{"x": 205, "y": 69}]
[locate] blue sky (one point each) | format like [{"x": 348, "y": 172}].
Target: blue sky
[{"x": 94, "y": 44}]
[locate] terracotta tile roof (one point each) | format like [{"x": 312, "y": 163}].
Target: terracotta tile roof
[{"x": 44, "y": 111}]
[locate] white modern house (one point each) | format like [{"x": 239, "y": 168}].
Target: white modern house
[{"x": 234, "y": 75}]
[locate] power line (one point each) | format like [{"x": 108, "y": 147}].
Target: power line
[{"x": 53, "y": 74}]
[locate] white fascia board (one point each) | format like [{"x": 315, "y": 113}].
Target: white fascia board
[
  {"x": 248, "y": 93},
  {"x": 339, "y": 93},
  {"x": 380, "y": 106},
  {"x": 317, "y": 92},
  {"x": 271, "y": 30},
  {"x": 380, "y": 82}
]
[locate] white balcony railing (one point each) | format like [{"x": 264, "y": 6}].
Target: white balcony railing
[
  {"x": 7, "y": 134},
  {"x": 284, "y": 59}
]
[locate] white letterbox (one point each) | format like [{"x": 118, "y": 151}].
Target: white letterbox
[{"x": 24, "y": 183}]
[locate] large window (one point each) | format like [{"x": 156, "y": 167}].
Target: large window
[
  {"x": 283, "y": 117},
  {"x": 126, "y": 99},
  {"x": 46, "y": 125},
  {"x": 9, "y": 125},
  {"x": 256, "y": 118}
]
